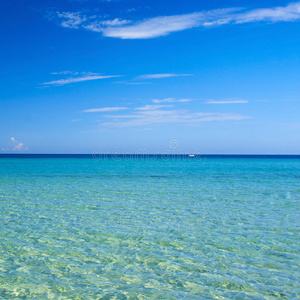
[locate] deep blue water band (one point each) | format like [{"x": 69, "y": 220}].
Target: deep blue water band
[{"x": 159, "y": 156}]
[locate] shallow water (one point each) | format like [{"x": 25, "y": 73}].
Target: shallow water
[{"x": 210, "y": 228}]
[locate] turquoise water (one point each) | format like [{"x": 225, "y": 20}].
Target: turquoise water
[{"x": 210, "y": 228}]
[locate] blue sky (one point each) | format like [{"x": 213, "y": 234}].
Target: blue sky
[{"x": 81, "y": 76}]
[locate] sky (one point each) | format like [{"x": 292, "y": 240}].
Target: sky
[{"x": 134, "y": 76}]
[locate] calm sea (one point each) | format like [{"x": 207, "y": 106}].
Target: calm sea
[{"x": 210, "y": 227}]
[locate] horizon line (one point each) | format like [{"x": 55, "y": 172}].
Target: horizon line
[{"x": 147, "y": 154}]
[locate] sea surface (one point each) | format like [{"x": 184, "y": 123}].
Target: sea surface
[{"x": 209, "y": 227}]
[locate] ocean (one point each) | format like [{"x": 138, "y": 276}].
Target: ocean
[{"x": 148, "y": 227}]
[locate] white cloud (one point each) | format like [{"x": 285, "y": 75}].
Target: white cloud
[
  {"x": 104, "y": 109},
  {"x": 79, "y": 79},
  {"x": 160, "y": 116},
  {"x": 159, "y": 76},
  {"x": 170, "y": 100},
  {"x": 164, "y": 25},
  {"x": 18, "y": 146},
  {"x": 226, "y": 101}
]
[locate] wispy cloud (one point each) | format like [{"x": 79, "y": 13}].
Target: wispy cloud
[
  {"x": 74, "y": 73},
  {"x": 133, "y": 83},
  {"x": 18, "y": 146},
  {"x": 155, "y": 27},
  {"x": 65, "y": 73},
  {"x": 164, "y": 25},
  {"x": 95, "y": 23},
  {"x": 291, "y": 12},
  {"x": 79, "y": 79},
  {"x": 152, "y": 107},
  {"x": 226, "y": 101},
  {"x": 99, "y": 26},
  {"x": 104, "y": 109},
  {"x": 71, "y": 19},
  {"x": 161, "y": 116},
  {"x": 170, "y": 100},
  {"x": 159, "y": 76}
]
